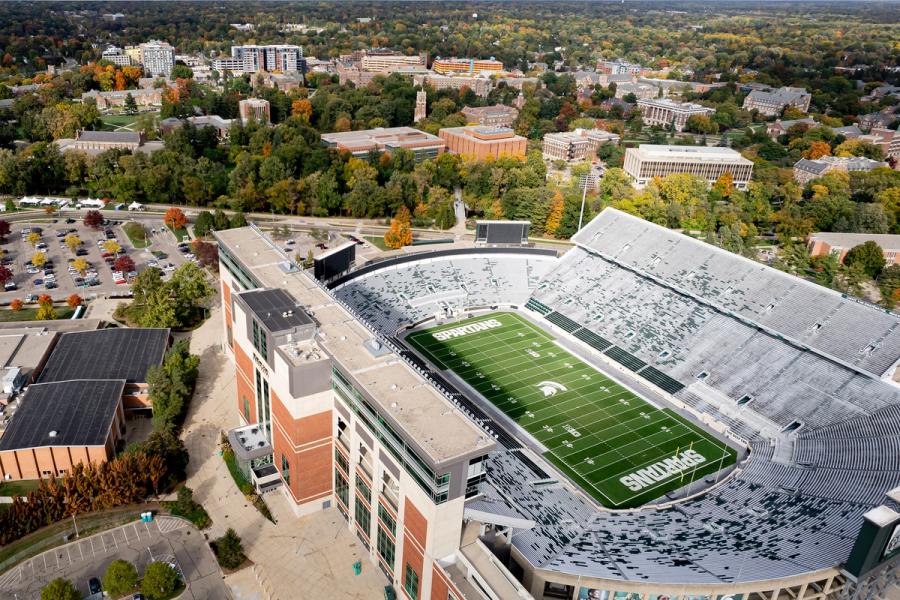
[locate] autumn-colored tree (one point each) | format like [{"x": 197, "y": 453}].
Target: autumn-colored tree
[
  {"x": 5, "y": 274},
  {"x": 124, "y": 263},
  {"x": 16, "y": 305},
  {"x": 73, "y": 241},
  {"x": 175, "y": 218},
  {"x": 112, "y": 246},
  {"x": 554, "y": 217},
  {"x": 400, "y": 232},
  {"x": 342, "y": 124},
  {"x": 80, "y": 265},
  {"x": 33, "y": 238},
  {"x": 724, "y": 185},
  {"x": 93, "y": 219},
  {"x": 817, "y": 149},
  {"x": 45, "y": 312},
  {"x": 302, "y": 108},
  {"x": 39, "y": 259},
  {"x": 74, "y": 301}
]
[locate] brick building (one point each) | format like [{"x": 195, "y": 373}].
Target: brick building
[
  {"x": 483, "y": 141},
  {"x": 838, "y": 244},
  {"x": 498, "y": 115}
]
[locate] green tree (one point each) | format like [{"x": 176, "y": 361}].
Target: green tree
[
  {"x": 203, "y": 224},
  {"x": 121, "y": 577},
  {"x": 229, "y": 550},
  {"x": 889, "y": 284},
  {"x": 189, "y": 288},
  {"x": 869, "y": 256},
  {"x": 160, "y": 580},
  {"x": 60, "y": 589},
  {"x": 130, "y": 105},
  {"x": 237, "y": 220}
]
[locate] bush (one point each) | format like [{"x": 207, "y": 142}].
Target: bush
[
  {"x": 121, "y": 577},
  {"x": 60, "y": 589},
  {"x": 185, "y": 507},
  {"x": 160, "y": 580},
  {"x": 229, "y": 550}
]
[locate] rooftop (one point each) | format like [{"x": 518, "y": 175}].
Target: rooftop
[
  {"x": 887, "y": 241},
  {"x": 118, "y": 353},
  {"x": 379, "y": 137},
  {"x": 662, "y": 152},
  {"x": 65, "y": 413},
  {"x": 277, "y": 310},
  {"x": 130, "y": 137}
]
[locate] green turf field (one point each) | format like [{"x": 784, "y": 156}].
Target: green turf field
[{"x": 604, "y": 437}]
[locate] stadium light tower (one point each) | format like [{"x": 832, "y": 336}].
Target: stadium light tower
[{"x": 583, "y": 182}]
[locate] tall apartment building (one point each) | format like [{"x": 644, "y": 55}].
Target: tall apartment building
[
  {"x": 331, "y": 417},
  {"x": 382, "y": 62},
  {"x": 421, "y": 106},
  {"x": 116, "y": 56},
  {"x": 575, "y": 146},
  {"x": 498, "y": 115},
  {"x": 466, "y": 66},
  {"x": 274, "y": 57},
  {"x": 158, "y": 58},
  {"x": 483, "y": 141},
  {"x": 255, "y": 109},
  {"x": 385, "y": 139},
  {"x": 668, "y": 113},
  {"x": 772, "y": 102},
  {"x": 650, "y": 160},
  {"x": 618, "y": 67}
]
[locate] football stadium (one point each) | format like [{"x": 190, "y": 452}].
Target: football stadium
[{"x": 640, "y": 416}]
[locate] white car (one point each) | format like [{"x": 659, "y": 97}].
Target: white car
[
  {"x": 153, "y": 263},
  {"x": 32, "y": 271},
  {"x": 169, "y": 268}
]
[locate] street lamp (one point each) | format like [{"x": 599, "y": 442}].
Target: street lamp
[{"x": 583, "y": 182}]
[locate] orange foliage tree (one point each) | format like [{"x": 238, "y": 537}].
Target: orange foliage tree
[
  {"x": 400, "y": 232},
  {"x": 16, "y": 304},
  {"x": 74, "y": 301},
  {"x": 175, "y": 218}
]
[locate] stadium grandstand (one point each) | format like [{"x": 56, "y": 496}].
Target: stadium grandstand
[{"x": 798, "y": 378}]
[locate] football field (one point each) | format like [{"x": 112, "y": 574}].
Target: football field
[{"x": 619, "y": 448}]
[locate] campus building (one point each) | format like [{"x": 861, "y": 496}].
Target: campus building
[
  {"x": 116, "y": 56},
  {"x": 807, "y": 169},
  {"x": 385, "y": 139},
  {"x": 466, "y": 66},
  {"x": 255, "y": 109},
  {"x": 143, "y": 97},
  {"x": 668, "y": 113},
  {"x": 839, "y": 243},
  {"x": 639, "y": 90},
  {"x": 480, "y": 86},
  {"x": 75, "y": 411},
  {"x": 158, "y": 58},
  {"x": 771, "y": 102},
  {"x": 483, "y": 141},
  {"x": 575, "y": 146},
  {"x": 498, "y": 115},
  {"x": 650, "y": 160},
  {"x": 95, "y": 142}
]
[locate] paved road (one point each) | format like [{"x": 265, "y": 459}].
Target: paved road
[{"x": 165, "y": 539}]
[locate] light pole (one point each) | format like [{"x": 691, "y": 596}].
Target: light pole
[{"x": 583, "y": 182}]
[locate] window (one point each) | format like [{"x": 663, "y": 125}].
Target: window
[
  {"x": 259, "y": 340},
  {"x": 342, "y": 487},
  {"x": 363, "y": 489},
  {"x": 285, "y": 470},
  {"x": 246, "y": 408},
  {"x": 363, "y": 516},
  {"x": 387, "y": 519},
  {"x": 411, "y": 582},
  {"x": 385, "y": 547},
  {"x": 341, "y": 460}
]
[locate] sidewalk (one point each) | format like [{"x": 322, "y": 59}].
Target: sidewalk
[{"x": 297, "y": 559}]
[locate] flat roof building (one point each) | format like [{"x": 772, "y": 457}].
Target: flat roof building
[
  {"x": 466, "y": 66},
  {"x": 575, "y": 146},
  {"x": 251, "y": 58},
  {"x": 650, "y": 160},
  {"x": 158, "y": 58},
  {"x": 838, "y": 244},
  {"x": 483, "y": 141},
  {"x": 480, "y": 86},
  {"x": 384, "y": 139},
  {"x": 255, "y": 109},
  {"x": 668, "y": 113}
]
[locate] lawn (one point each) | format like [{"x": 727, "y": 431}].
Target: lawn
[
  {"x": 113, "y": 122},
  {"x": 29, "y": 314},
  {"x": 619, "y": 448},
  {"x": 18, "y": 488},
  {"x": 136, "y": 233},
  {"x": 181, "y": 233},
  {"x": 377, "y": 241}
]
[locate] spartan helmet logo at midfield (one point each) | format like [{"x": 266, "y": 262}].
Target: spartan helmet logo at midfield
[{"x": 550, "y": 388}]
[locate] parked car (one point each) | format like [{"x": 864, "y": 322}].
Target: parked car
[
  {"x": 70, "y": 221},
  {"x": 30, "y": 298},
  {"x": 169, "y": 267},
  {"x": 9, "y": 286},
  {"x": 94, "y": 586},
  {"x": 81, "y": 252},
  {"x": 50, "y": 285},
  {"x": 41, "y": 246},
  {"x": 32, "y": 270},
  {"x": 38, "y": 282}
]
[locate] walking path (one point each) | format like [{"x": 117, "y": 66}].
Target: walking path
[{"x": 297, "y": 559}]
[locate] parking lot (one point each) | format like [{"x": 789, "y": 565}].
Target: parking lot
[{"x": 98, "y": 281}]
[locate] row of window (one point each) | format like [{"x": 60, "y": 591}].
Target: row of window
[{"x": 234, "y": 267}]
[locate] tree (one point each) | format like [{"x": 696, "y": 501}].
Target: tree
[
  {"x": 93, "y": 219},
  {"x": 4, "y": 228},
  {"x": 16, "y": 305},
  {"x": 189, "y": 287},
  {"x": 124, "y": 263},
  {"x": 817, "y": 149},
  {"x": 45, "y": 311},
  {"x": 74, "y": 301},
  {"x": 185, "y": 502},
  {"x": 112, "y": 246},
  {"x": 73, "y": 241},
  {"x": 160, "y": 580},
  {"x": 554, "y": 217},
  {"x": 400, "y": 232},
  {"x": 121, "y": 578},
  {"x": 80, "y": 265},
  {"x": 33, "y": 238},
  {"x": 39, "y": 259},
  {"x": 229, "y": 550},
  {"x": 175, "y": 218},
  {"x": 131, "y": 107},
  {"x": 207, "y": 254},
  {"x": 204, "y": 223},
  {"x": 60, "y": 589},
  {"x": 889, "y": 284},
  {"x": 238, "y": 220},
  {"x": 5, "y": 274},
  {"x": 869, "y": 256}
]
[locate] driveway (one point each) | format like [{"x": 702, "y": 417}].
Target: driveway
[{"x": 164, "y": 539}]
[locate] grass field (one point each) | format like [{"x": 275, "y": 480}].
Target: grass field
[{"x": 603, "y": 436}]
